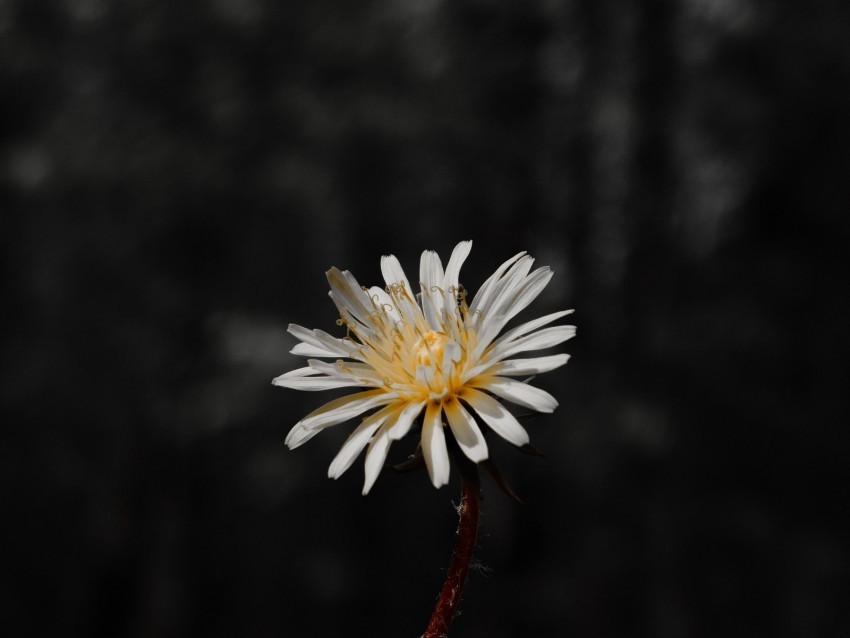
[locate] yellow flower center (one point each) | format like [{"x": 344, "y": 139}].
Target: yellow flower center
[{"x": 428, "y": 350}]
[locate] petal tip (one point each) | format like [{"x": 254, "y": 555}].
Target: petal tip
[{"x": 368, "y": 484}]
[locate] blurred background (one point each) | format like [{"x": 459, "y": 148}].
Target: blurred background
[{"x": 175, "y": 179}]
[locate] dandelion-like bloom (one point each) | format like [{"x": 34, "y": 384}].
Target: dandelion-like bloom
[{"x": 434, "y": 353}]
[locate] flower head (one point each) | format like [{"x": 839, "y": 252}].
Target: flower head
[{"x": 432, "y": 353}]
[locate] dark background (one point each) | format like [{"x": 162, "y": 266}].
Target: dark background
[{"x": 177, "y": 176}]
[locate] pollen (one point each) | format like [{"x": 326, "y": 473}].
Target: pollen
[{"x": 428, "y": 350}]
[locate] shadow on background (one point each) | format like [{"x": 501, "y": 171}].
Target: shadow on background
[{"x": 176, "y": 178}]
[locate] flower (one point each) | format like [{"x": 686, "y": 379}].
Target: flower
[{"x": 431, "y": 352}]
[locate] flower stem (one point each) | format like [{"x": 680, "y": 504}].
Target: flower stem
[{"x": 467, "y": 530}]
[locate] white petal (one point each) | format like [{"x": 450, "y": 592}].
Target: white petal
[
  {"x": 299, "y": 435},
  {"x": 434, "y": 445},
  {"x": 384, "y": 304},
  {"x": 358, "y": 314},
  {"x": 393, "y": 272},
  {"x": 534, "y": 324},
  {"x": 306, "y": 350},
  {"x": 451, "y": 282},
  {"x": 482, "y": 297},
  {"x": 300, "y": 372},
  {"x": 530, "y": 289},
  {"x": 345, "y": 345},
  {"x": 497, "y": 311},
  {"x": 359, "y": 292},
  {"x": 430, "y": 269},
  {"x": 363, "y": 373},
  {"x": 375, "y": 457},
  {"x": 520, "y": 367},
  {"x": 545, "y": 338},
  {"x": 348, "y": 295},
  {"x": 525, "y": 290},
  {"x": 431, "y": 282},
  {"x": 405, "y": 420},
  {"x": 404, "y": 301},
  {"x": 335, "y": 412},
  {"x": 517, "y": 392},
  {"x": 505, "y": 288},
  {"x": 466, "y": 431},
  {"x": 309, "y": 378},
  {"x": 355, "y": 443},
  {"x": 459, "y": 255},
  {"x": 318, "y": 383},
  {"x": 511, "y": 303},
  {"x": 411, "y": 314},
  {"x": 495, "y": 415},
  {"x": 321, "y": 340},
  {"x": 345, "y": 408}
]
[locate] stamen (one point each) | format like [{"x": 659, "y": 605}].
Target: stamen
[{"x": 341, "y": 365}]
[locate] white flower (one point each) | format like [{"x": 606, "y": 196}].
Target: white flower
[{"x": 428, "y": 352}]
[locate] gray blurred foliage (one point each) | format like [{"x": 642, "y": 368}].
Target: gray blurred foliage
[{"x": 175, "y": 177}]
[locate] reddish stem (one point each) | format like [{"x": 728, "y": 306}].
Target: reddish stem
[{"x": 467, "y": 530}]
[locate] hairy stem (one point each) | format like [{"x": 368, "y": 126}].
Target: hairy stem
[{"x": 467, "y": 530}]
